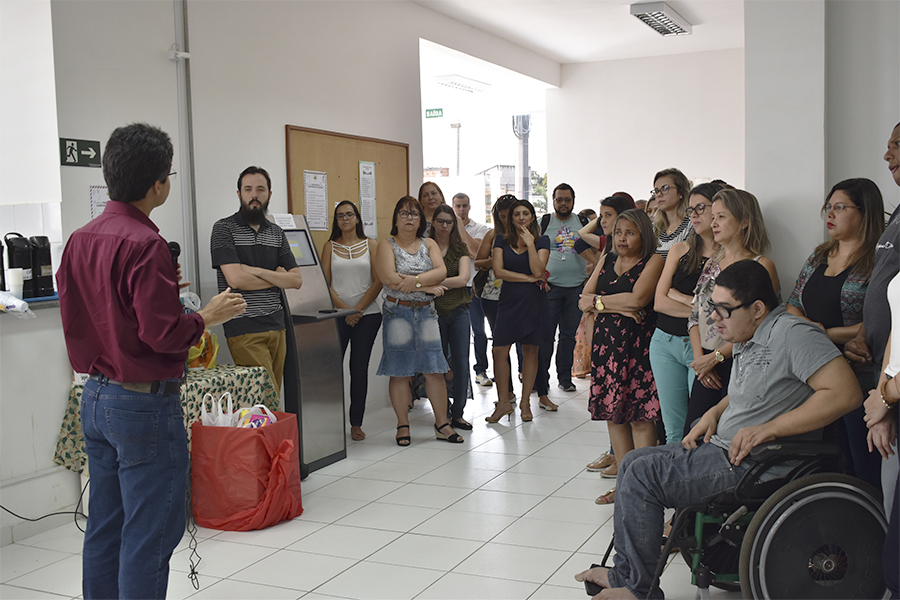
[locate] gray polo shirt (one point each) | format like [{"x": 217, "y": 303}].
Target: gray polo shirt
[{"x": 769, "y": 373}]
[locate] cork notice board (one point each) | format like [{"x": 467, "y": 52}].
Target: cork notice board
[{"x": 338, "y": 155}]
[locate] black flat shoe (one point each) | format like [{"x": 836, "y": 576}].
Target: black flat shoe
[
  {"x": 454, "y": 438},
  {"x": 461, "y": 424},
  {"x": 403, "y": 440}
]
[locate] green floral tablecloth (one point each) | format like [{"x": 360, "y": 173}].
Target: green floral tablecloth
[{"x": 248, "y": 386}]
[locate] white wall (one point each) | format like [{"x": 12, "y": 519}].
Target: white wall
[
  {"x": 823, "y": 91},
  {"x": 257, "y": 66},
  {"x": 612, "y": 125}
]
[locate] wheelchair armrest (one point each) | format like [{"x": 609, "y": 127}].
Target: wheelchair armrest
[
  {"x": 801, "y": 458},
  {"x": 777, "y": 451}
]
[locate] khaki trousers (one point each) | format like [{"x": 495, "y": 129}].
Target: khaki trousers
[{"x": 267, "y": 349}]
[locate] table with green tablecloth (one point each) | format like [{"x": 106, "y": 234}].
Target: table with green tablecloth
[{"x": 248, "y": 386}]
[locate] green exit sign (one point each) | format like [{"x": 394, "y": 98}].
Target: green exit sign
[{"x": 434, "y": 113}]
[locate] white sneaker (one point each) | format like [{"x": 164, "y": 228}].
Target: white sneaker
[{"x": 483, "y": 380}]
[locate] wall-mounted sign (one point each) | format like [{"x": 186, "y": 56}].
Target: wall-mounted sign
[
  {"x": 434, "y": 113},
  {"x": 79, "y": 153}
]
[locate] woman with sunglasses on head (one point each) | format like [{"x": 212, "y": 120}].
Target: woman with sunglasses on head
[
  {"x": 739, "y": 230},
  {"x": 489, "y": 290},
  {"x": 430, "y": 197},
  {"x": 519, "y": 259},
  {"x": 353, "y": 282},
  {"x": 411, "y": 269},
  {"x": 670, "y": 349},
  {"x": 671, "y": 190},
  {"x": 620, "y": 294},
  {"x": 830, "y": 292},
  {"x": 453, "y": 308}
]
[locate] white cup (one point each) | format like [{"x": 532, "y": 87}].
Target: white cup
[{"x": 15, "y": 282}]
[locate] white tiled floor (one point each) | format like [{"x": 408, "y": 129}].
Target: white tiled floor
[{"x": 507, "y": 514}]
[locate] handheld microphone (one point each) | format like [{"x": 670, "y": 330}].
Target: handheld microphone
[{"x": 175, "y": 251}]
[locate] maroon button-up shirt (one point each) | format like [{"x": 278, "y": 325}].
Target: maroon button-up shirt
[{"x": 118, "y": 296}]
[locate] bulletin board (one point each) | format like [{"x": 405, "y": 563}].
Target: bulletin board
[{"x": 338, "y": 155}]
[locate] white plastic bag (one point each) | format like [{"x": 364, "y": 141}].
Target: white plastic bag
[{"x": 219, "y": 417}]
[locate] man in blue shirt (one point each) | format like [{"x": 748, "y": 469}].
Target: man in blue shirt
[{"x": 568, "y": 270}]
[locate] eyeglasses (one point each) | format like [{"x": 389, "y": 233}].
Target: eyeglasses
[
  {"x": 173, "y": 174},
  {"x": 723, "y": 311},
  {"x": 657, "y": 192},
  {"x": 408, "y": 215},
  {"x": 345, "y": 216},
  {"x": 697, "y": 210},
  {"x": 444, "y": 222},
  {"x": 838, "y": 208}
]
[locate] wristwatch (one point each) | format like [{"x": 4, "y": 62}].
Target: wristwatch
[
  {"x": 418, "y": 283},
  {"x": 598, "y": 302},
  {"x": 719, "y": 356},
  {"x": 884, "y": 395}
]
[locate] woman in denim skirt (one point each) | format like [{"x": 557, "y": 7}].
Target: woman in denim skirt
[{"x": 411, "y": 269}]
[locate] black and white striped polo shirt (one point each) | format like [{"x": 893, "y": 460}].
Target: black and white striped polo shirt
[{"x": 234, "y": 241}]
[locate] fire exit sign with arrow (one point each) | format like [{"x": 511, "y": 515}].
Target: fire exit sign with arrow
[{"x": 79, "y": 153}]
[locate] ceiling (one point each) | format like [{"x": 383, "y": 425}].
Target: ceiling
[{"x": 575, "y": 31}]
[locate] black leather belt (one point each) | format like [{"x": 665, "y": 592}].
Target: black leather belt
[
  {"x": 410, "y": 303},
  {"x": 149, "y": 387}
]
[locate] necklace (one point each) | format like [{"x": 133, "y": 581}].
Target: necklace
[{"x": 623, "y": 272}]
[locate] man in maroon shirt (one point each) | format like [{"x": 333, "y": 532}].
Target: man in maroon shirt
[{"x": 124, "y": 325}]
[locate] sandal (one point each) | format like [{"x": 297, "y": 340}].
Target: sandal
[
  {"x": 453, "y": 438},
  {"x": 357, "y": 434},
  {"x": 606, "y": 460},
  {"x": 461, "y": 424},
  {"x": 607, "y": 498},
  {"x": 403, "y": 440},
  {"x": 526, "y": 416},
  {"x": 547, "y": 404}
]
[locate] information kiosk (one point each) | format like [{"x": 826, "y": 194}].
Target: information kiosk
[{"x": 314, "y": 367}]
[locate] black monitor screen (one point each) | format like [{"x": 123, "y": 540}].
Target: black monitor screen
[{"x": 301, "y": 247}]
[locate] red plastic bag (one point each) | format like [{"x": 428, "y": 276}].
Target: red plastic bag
[{"x": 245, "y": 479}]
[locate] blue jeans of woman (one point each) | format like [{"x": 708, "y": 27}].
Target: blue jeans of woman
[
  {"x": 670, "y": 359},
  {"x": 361, "y": 338},
  {"x": 479, "y": 338},
  {"x": 455, "y": 333},
  {"x": 138, "y": 460}
]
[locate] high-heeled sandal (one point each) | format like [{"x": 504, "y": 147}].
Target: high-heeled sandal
[
  {"x": 453, "y": 438},
  {"x": 498, "y": 414},
  {"x": 526, "y": 416},
  {"x": 403, "y": 440}
]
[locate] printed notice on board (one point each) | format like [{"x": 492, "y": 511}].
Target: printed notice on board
[
  {"x": 99, "y": 198},
  {"x": 315, "y": 191},
  {"x": 367, "y": 197}
]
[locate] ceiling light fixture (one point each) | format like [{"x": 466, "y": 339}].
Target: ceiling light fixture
[
  {"x": 661, "y": 18},
  {"x": 463, "y": 84}
]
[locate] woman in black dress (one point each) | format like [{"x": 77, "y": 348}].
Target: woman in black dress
[
  {"x": 620, "y": 291},
  {"x": 520, "y": 258}
]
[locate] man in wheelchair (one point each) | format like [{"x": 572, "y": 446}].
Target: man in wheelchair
[{"x": 788, "y": 381}]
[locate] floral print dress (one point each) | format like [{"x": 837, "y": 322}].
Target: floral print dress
[{"x": 622, "y": 386}]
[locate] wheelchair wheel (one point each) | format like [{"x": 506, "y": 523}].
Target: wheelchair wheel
[{"x": 818, "y": 537}]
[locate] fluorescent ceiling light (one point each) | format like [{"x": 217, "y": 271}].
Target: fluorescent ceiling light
[
  {"x": 463, "y": 84},
  {"x": 661, "y": 18}
]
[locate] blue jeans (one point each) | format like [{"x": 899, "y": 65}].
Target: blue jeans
[
  {"x": 565, "y": 314},
  {"x": 479, "y": 337},
  {"x": 361, "y": 338},
  {"x": 138, "y": 460},
  {"x": 670, "y": 359},
  {"x": 455, "y": 330},
  {"x": 650, "y": 480}
]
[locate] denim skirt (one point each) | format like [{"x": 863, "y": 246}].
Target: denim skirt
[{"x": 412, "y": 341}]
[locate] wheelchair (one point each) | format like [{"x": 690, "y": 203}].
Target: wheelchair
[{"x": 809, "y": 532}]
